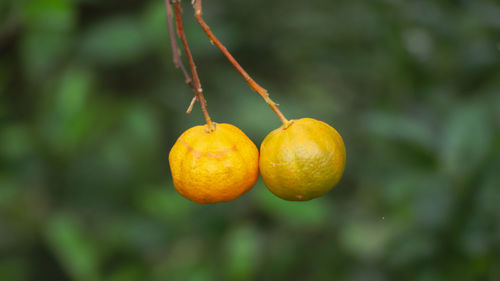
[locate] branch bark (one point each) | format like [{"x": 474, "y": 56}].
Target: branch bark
[{"x": 194, "y": 83}]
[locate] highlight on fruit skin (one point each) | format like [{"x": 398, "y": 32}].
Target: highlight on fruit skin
[
  {"x": 302, "y": 159},
  {"x": 214, "y": 166}
]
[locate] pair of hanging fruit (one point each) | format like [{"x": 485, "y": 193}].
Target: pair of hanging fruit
[{"x": 301, "y": 160}]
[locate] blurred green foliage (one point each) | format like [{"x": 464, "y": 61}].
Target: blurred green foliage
[{"x": 91, "y": 104}]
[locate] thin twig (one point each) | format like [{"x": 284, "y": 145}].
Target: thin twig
[
  {"x": 175, "y": 49},
  {"x": 253, "y": 85},
  {"x": 194, "y": 73},
  {"x": 190, "y": 108},
  {"x": 176, "y": 53}
]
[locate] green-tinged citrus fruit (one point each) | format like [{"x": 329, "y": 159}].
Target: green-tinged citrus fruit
[{"x": 302, "y": 159}]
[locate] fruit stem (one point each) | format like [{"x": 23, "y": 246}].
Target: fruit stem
[
  {"x": 195, "y": 82},
  {"x": 253, "y": 85}
]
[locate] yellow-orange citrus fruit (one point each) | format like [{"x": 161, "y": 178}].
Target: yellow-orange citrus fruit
[
  {"x": 214, "y": 166},
  {"x": 302, "y": 160}
]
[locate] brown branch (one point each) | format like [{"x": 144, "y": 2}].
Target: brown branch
[
  {"x": 196, "y": 80},
  {"x": 253, "y": 85}
]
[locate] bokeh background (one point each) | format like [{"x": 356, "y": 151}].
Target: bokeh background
[{"x": 91, "y": 104}]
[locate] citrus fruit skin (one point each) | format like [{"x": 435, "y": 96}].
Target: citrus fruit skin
[
  {"x": 213, "y": 167},
  {"x": 302, "y": 159}
]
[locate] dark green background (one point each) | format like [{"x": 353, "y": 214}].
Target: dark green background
[{"x": 91, "y": 104}]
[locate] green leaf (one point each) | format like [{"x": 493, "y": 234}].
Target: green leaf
[
  {"x": 466, "y": 140},
  {"x": 114, "y": 41},
  {"x": 67, "y": 117},
  {"x": 165, "y": 203},
  {"x": 308, "y": 213},
  {"x": 73, "y": 248},
  {"x": 14, "y": 269},
  {"x": 42, "y": 51},
  {"x": 398, "y": 127},
  {"x": 16, "y": 142},
  {"x": 366, "y": 239},
  {"x": 9, "y": 192},
  {"x": 56, "y": 15},
  {"x": 242, "y": 248},
  {"x": 128, "y": 272},
  {"x": 72, "y": 94}
]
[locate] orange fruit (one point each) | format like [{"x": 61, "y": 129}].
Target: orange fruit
[
  {"x": 302, "y": 159},
  {"x": 214, "y": 166}
]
